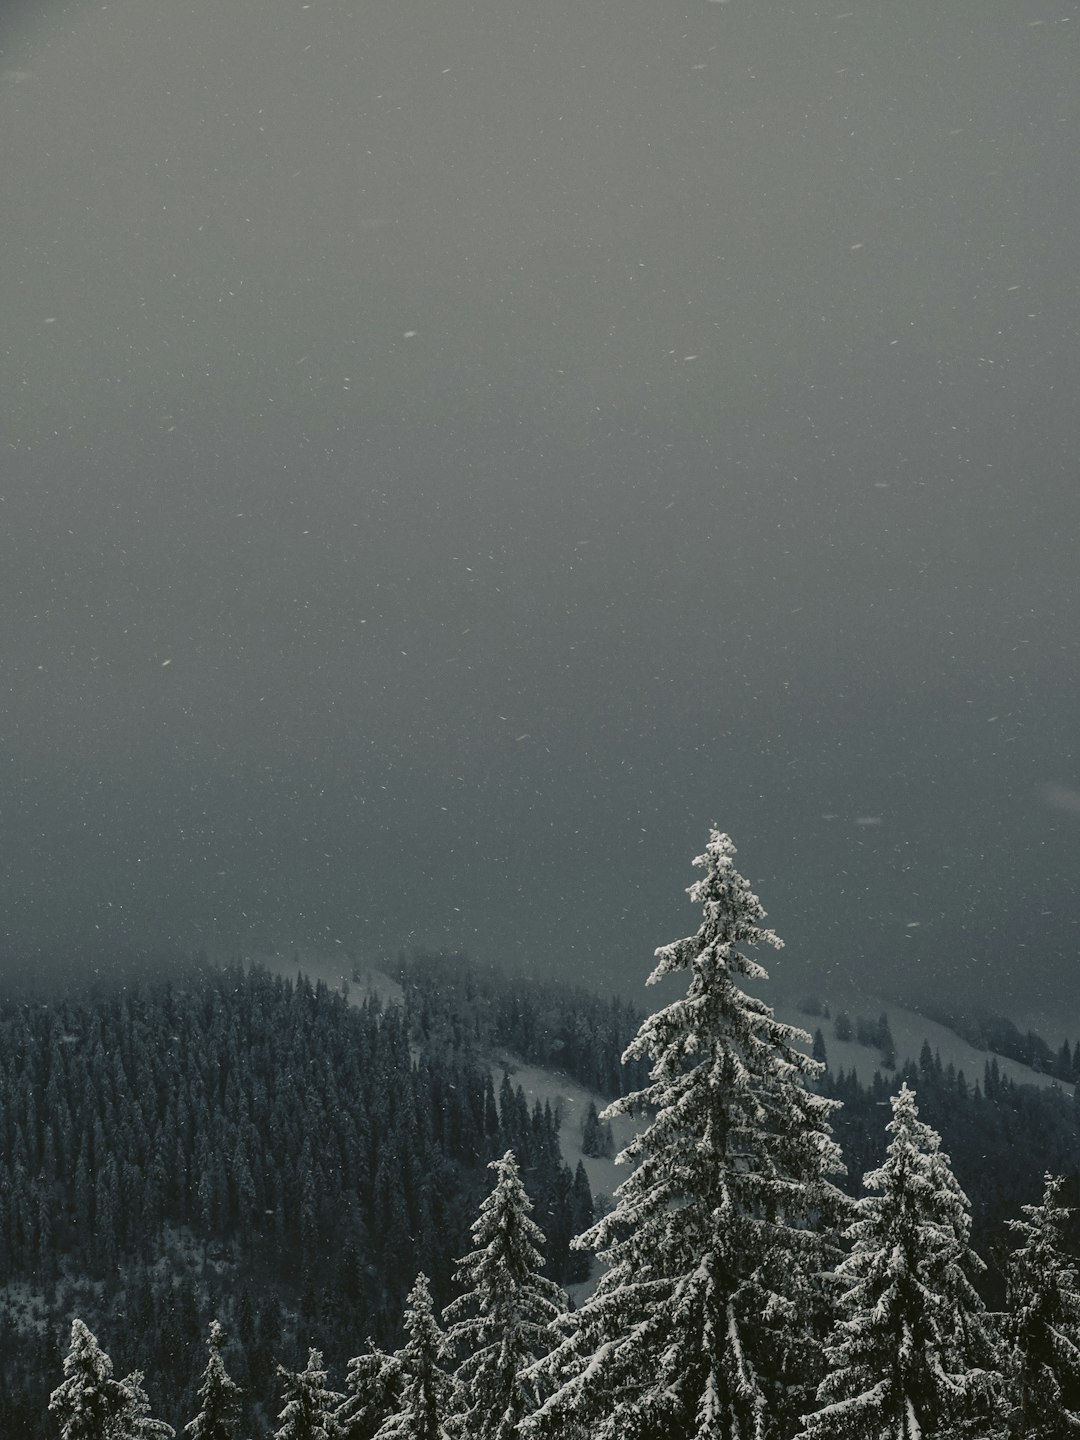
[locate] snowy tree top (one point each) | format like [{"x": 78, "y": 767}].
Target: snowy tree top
[{"x": 731, "y": 912}]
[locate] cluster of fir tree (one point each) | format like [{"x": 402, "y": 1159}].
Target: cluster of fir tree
[
  {"x": 1002, "y": 1137},
  {"x": 467, "y": 1379},
  {"x": 726, "y": 1278},
  {"x": 298, "y": 1145},
  {"x": 913, "y": 1353}
]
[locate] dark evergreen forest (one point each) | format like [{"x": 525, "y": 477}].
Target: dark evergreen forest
[
  {"x": 227, "y": 1144},
  {"x": 231, "y": 1144}
]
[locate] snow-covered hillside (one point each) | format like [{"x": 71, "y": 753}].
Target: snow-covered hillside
[
  {"x": 909, "y": 1031},
  {"x": 908, "y": 1027}
]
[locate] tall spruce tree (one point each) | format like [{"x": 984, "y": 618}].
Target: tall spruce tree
[
  {"x": 219, "y": 1417},
  {"x": 503, "y": 1317},
  {"x": 429, "y": 1401},
  {"x": 308, "y": 1411},
  {"x": 913, "y": 1353},
  {"x": 698, "y": 1326},
  {"x": 1044, "y": 1304}
]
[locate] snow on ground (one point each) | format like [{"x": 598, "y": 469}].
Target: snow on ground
[{"x": 571, "y": 1100}]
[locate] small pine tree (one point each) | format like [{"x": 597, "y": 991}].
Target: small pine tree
[
  {"x": 886, "y": 1043},
  {"x": 1044, "y": 1304},
  {"x": 698, "y": 1327},
  {"x": 502, "y": 1319},
  {"x": 428, "y": 1397},
  {"x": 596, "y": 1137},
  {"x": 819, "y": 1052},
  {"x": 912, "y": 1355},
  {"x": 219, "y": 1418},
  {"x": 309, "y": 1408}
]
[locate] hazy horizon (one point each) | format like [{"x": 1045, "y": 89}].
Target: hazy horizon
[{"x": 452, "y": 456}]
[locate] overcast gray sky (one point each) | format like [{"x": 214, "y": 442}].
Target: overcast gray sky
[{"x": 452, "y": 452}]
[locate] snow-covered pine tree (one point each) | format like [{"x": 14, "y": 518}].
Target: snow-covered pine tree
[
  {"x": 502, "y": 1320},
  {"x": 86, "y": 1404},
  {"x": 1044, "y": 1304},
  {"x": 372, "y": 1394},
  {"x": 219, "y": 1418},
  {"x": 134, "y": 1422},
  {"x": 308, "y": 1412},
  {"x": 698, "y": 1326},
  {"x": 913, "y": 1353},
  {"x": 92, "y": 1405},
  {"x": 429, "y": 1402}
]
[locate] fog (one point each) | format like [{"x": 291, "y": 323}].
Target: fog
[{"x": 451, "y": 454}]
